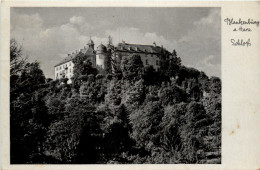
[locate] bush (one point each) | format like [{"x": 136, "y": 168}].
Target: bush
[
  {"x": 99, "y": 76},
  {"x": 91, "y": 78},
  {"x": 109, "y": 76},
  {"x": 83, "y": 77}
]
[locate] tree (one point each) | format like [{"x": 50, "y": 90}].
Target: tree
[
  {"x": 116, "y": 133},
  {"x": 33, "y": 73},
  {"x": 170, "y": 138},
  {"x": 174, "y": 65},
  {"x": 169, "y": 65},
  {"x": 186, "y": 73},
  {"x": 132, "y": 67},
  {"x": 133, "y": 95},
  {"x": 110, "y": 41},
  {"x": 113, "y": 96},
  {"x": 82, "y": 66},
  {"x": 171, "y": 95},
  {"x": 150, "y": 76},
  {"x": 145, "y": 123},
  {"x": 107, "y": 63},
  {"x": 28, "y": 113},
  {"x": 215, "y": 85},
  {"x": 192, "y": 131},
  {"x": 17, "y": 61},
  {"x": 74, "y": 139},
  {"x": 28, "y": 126}
]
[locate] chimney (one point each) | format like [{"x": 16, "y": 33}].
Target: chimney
[{"x": 154, "y": 43}]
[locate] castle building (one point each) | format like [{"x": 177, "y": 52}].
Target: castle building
[
  {"x": 64, "y": 69},
  {"x": 101, "y": 53},
  {"x": 151, "y": 55}
]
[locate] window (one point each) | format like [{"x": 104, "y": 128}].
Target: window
[
  {"x": 146, "y": 61},
  {"x": 70, "y": 70},
  {"x": 70, "y": 64}
]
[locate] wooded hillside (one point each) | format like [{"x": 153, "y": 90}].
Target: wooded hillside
[{"x": 135, "y": 115}]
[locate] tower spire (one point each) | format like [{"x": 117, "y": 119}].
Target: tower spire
[{"x": 90, "y": 43}]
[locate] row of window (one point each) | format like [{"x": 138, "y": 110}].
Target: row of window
[
  {"x": 157, "y": 62},
  {"x": 66, "y": 71},
  {"x": 146, "y": 55},
  {"x": 69, "y": 76},
  {"x": 62, "y": 67},
  {"x": 143, "y": 54}
]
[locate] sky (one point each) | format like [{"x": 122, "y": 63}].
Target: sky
[{"x": 48, "y": 34}]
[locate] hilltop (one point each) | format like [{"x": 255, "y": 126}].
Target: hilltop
[{"x": 134, "y": 114}]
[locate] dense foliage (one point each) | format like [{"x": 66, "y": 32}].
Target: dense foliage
[{"x": 136, "y": 115}]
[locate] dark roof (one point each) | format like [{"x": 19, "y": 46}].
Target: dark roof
[
  {"x": 101, "y": 47},
  {"x": 90, "y": 42},
  {"x": 87, "y": 51},
  {"x": 65, "y": 60},
  {"x": 139, "y": 48}
]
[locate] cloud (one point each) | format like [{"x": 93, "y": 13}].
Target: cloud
[
  {"x": 50, "y": 44},
  {"x": 206, "y": 28},
  {"x": 135, "y": 35},
  {"x": 207, "y": 63},
  {"x": 77, "y": 20},
  {"x": 210, "y": 19},
  {"x": 47, "y": 45},
  {"x": 22, "y": 21},
  {"x": 201, "y": 46}
]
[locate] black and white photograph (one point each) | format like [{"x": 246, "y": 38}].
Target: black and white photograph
[{"x": 115, "y": 85}]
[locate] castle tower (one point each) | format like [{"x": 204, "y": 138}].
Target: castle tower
[
  {"x": 90, "y": 43},
  {"x": 101, "y": 54}
]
